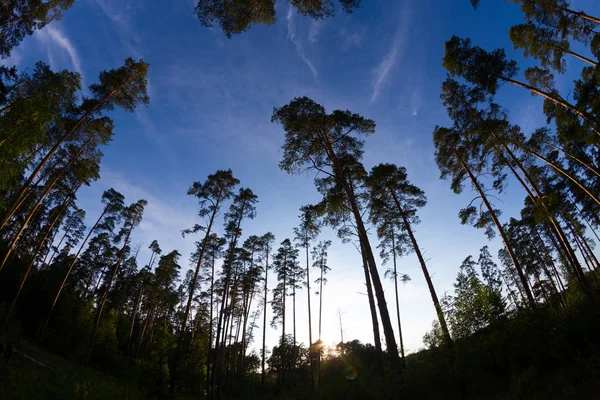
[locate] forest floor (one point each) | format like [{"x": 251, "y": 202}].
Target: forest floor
[{"x": 34, "y": 373}]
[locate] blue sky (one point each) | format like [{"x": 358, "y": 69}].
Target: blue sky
[{"x": 211, "y": 103}]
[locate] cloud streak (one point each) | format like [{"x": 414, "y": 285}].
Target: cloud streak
[
  {"x": 296, "y": 41},
  {"x": 114, "y": 11},
  {"x": 391, "y": 58},
  {"x": 52, "y": 36}
]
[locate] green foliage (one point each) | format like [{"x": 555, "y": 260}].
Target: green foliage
[
  {"x": 474, "y": 304},
  {"x": 21, "y": 18},
  {"x": 235, "y": 17}
]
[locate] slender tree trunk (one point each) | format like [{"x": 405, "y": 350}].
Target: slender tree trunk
[
  {"x": 49, "y": 187},
  {"x": 209, "y": 353},
  {"x": 388, "y": 329},
  {"x": 27, "y": 185},
  {"x": 374, "y": 321},
  {"x": 511, "y": 293},
  {"x": 582, "y": 58},
  {"x": 432, "y": 292},
  {"x": 397, "y": 300},
  {"x": 216, "y": 366},
  {"x": 560, "y": 170},
  {"x": 105, "y": 296},
  {"x": 62, "y": 239},
  {"x": 386, "y": 321},
  {"x": 310, "y": 341},
  {"x": 579, "y": 14},
  {"x": 196, "y": 272},
  {"x": 341, "y": 333},
  {"x": 321, "y": 299},
  {"x": 143, "y": 332},
  {"x": 509, "y": 248},
  {"x": 584, "y": 116},
  {"x": 246, "y": 313},
  {"x": 590, "y": 168},
  {"x": 555, "y": 227},
  {"x": 64, "y": 281},
  {"x": 134, "y": 316},
  {"x": 30, "y": 266},
  {"x": 262, "y": 376},
  {"x": 283, "y": 323}
]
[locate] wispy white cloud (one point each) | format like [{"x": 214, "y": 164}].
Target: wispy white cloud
[
  {"x": 391, "y": 58},
  {"x": 118, "y": 12},
  {"x": 296, "y": 41},
  {"x": 381, "y": 72},
  {"x": 55, "y": 38}
]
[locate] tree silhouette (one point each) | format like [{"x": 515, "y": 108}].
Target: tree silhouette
[
  {"x": 325, "y": 143},
  {"x": 235, "y": 17},
  {"x": 394, "y": 202}
]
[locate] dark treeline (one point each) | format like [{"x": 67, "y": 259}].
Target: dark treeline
[{"x": 520, "y": 325}]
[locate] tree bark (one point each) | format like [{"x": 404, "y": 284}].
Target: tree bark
[
  {"x": 108, "y": 285},
  {"x": 64, "y": 281},
  {"x": 507, "y": 244},
  {"x": 397, "y": 300},
  {"x": 262, "y": 376},
  {"x": 14, "y": 207},
  {"x": 432, "y": 292},
  {"x": 30, "y": 266},
  {"x": 374, "y": 321},
  {"x": 196, "y": 272}
]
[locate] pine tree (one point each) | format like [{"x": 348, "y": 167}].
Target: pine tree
[
  {"x": 393, "y": 204},
  {"x": 326, "y": 143}
]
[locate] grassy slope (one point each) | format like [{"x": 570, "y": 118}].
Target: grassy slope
[{"x": 21, "y": 378}]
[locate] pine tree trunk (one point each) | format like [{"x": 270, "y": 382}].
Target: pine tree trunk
[
  {"x": 30, "y": 266},
  {"x": 386, "y": 321},
  {"x": 432, "y": 292},
  {"x": 105, "y": 296},
  {"x": 374, "y": 321},
  {"x": 218, "y": 348},
  {"x": 49, "y": 187},
  {"x": 507, "y": 244},
  {"x": 579, "y": 14},
  {"x": 584, "y": 116},
  {"x": 62, "y": 239},
  {"x": 195, "y": 279},
  {"x": 283, "y": 322},
  {"x": 134, "y": 316},
  {"x": 397, "y": 300},
  {"x": 27, "y": 185},
  {"x": 310, "y": 341},
  {"x": 209, "y": 352},
  {"x": 262, "y": 376},
  {"x": 64, "y": 281}
]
